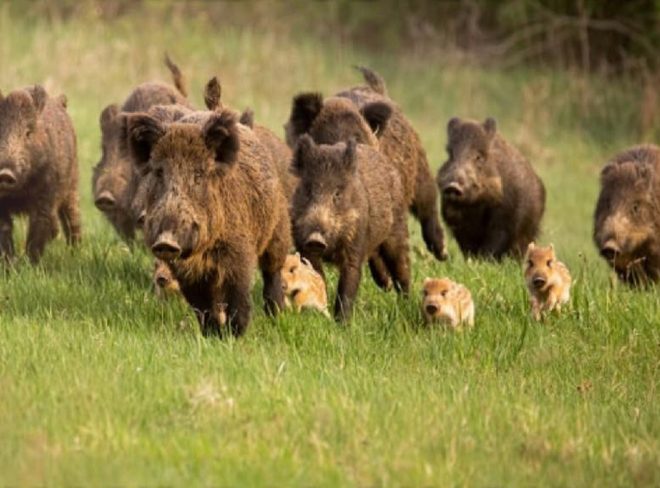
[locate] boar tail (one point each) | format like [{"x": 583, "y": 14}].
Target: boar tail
[
  {"x": 177, "y": 76},
  {"x": 373, "y": 79}
]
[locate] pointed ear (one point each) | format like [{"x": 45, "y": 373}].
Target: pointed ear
[
  {"x": 350, "y": 155},
  {"x": 427, "y": 280},
  {"x": 453, "y": 124},
  {"x": 377, "y": 114},
  {"x": 212, "y": 94},
  {"x": 247, "y": 118},
  {"x": 490, "y": 126},
  {"x": 306, "y": 107},
  {"x": 108, "y": 115},
  {"x": 552, "y": 248},
  {"x": 305, "y": 149},
  {"x": 142, "y": 134},
  {"x": 530, "y": 247},
  {"x": 221, "y": 136},
  {"x": 39, "y": 97}
]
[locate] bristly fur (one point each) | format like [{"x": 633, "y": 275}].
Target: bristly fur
[
  {"x": 177, "y": 76},
  {"x": 373, "y": 79},
  {"x": 213, "y": 94}
]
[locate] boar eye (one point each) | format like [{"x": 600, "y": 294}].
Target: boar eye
[
  {"x": 479, "y": 158},
  {"x": 159, "y": 173},
  {"x": 336, "y": 195},
  {"x": 549, "y": 263},
  {"x": 28, "y": 132},
  {"x": 635, "y": 208},
  {"x": 530, "y": 263}
]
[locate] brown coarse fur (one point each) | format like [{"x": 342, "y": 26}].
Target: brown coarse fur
[
  {"x": 279, "y": 151},
  {"x": 368, "y": 115},
  {"x": 447, "y": 302},
  {"x": 492, "y": 200},
  {"x": 38, "y": 170},
  {"x": 304, "y": 287},
  {"x": 215, "y": 210},
  {"x": 627, "y": 216},
  {"x": 114, "y": 182},
  {"x": 548, "y": 280},
  {"x": 349, "y": 208}
]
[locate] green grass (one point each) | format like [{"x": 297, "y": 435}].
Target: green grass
[{"x": 101, "y": 383}]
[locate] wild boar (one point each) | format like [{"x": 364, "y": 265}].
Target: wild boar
[
  {"x": 303, "y": 286},
  {"x": 447, "y": 302},
  {"x": 348, "y": 207},
  {"x": 367, "y": 114},
  {"x": 215, "y": 209},
  {"x": 627, "y": 216},
  {"x": 548, "y": 280},
  {"x": 114, "y": 182},
  {"x": 38, "y": 170},
  {"x": 492, "y": 200}
]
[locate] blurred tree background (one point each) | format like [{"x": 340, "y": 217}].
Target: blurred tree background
[{"x": 607, "y": 36}]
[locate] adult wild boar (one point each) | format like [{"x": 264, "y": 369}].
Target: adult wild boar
[
  {"x": 348, "y": 207},
  {"x": 368, "y": 115},
  {"x": 492, "y": 200},
  {"x": 114, "y": 181},
  {"x": 215, "y": 209},
  {"x": 38, "y": 169},
  {"x": 627, "y": 217}
]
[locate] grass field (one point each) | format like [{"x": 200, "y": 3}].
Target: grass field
[{"x": 102, "y": 384}]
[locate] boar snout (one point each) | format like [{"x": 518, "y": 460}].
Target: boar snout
[
  {"x": 8, "y": 179},
  {"x": 538, "y": 282},
  {"x": 453, "y": 191},
  {"x": 315, "y": 243},
  {"x": 105, "y": 201},
  {"x": 609, "y": 250},
  {"x": 431, "y": 309},
  {"x": 162, "y": 280},
  {"x": 166, "y": 247}
]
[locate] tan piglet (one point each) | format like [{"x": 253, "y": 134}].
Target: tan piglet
[
  {"x": 548, "y": 280},
  {"x": 303, "y": 286},
  {"x": 447, "y": 302}
]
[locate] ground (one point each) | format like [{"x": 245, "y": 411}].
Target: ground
[{"x": 101, "y": 383}]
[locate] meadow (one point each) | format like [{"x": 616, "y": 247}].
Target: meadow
[{"x": 103, "y": 384}]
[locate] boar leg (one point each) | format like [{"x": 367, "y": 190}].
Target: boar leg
[
  {"x": 41, "y": 230},
  {"x": 349, "y": 281},
  {"x": 379, "y": 272},
  {"x": 425, "y": 208},
  {"x": 6, "y": 236},
  {"x": 69, "y": 214},
  {"x": 237, "y": 296},
  {"x": 123, "y": 224},
  {"x": 396, "y": 256},
  {"x": 271, "y": 263}
]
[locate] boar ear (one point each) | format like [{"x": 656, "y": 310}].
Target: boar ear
[
  {"x": 490, "y": 126},
  {"x": 39, "y": 97},
  {"x": 142, "y": 134},
  {"x": 305, "y": 109},
  {"x": 212, "y": 94},
  {"x": 305, "y": 149},
  {"x": 377, "y": 114},
  {"x": 221, "y": 136},
  {"x": 108, "y": 115},
  {"x": 452, "y": 125},
  {"x": 552, "y": 248},
  {"x": 350, "y": 155},
  {"x": 426, "y": 281},
  {"x": 247, "y": 118}
]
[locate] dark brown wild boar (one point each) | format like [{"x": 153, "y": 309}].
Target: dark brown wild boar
[
  {"x": 114, "y": 182},
  {"x": 215, "y": 211},
  {"x": 368, "y": 115},
  {"x": 347, "y": 208},
  {"x": 492, "y": 200},
  {"x": 38, "y": 170},
  {"x": 627, "y": 217}
]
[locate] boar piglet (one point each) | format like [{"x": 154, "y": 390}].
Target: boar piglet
[
  {"x": 38, "y": 170},
  {"x": 215, "y": 210},
  {"x": 114, "y": 181},
  {"x": 627, "y": 217},
  {"x": 347, "y": 208},
  {"x": 492, "y": 200},
  {"x": 368, "y": 115},
  {"x": 548, "y": 280}
]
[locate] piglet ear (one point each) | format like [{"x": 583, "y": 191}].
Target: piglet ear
[
  {"x": 39, "y": 97},
  {"x": 426, "y": 281},
  {"x": 247, "y": 118},
  {"x": 212, "y": 94},
  {"x": 490, "y": 126},
  {"x": 377, "y": 114},
  {"x": 304, "y": 153},
  {"x": 142, "y": 134},
  {"x": 221, "y": 136},
  {"x": 350, "y": 155},
  {"x": 306, "y": 107},
  {"x": 531, "y": 246}
]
